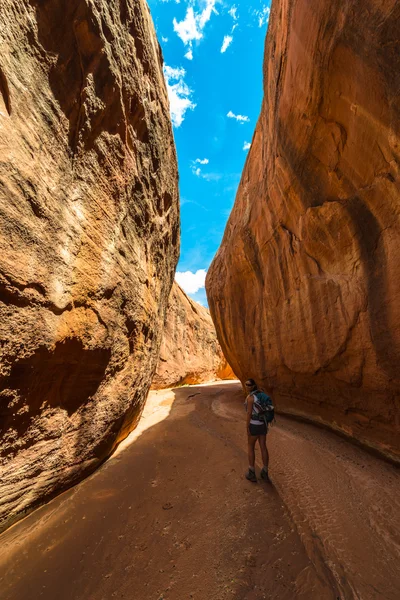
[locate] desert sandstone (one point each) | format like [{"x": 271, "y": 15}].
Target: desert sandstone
[
  {"x": 305, "y": 288},
  {"x": 89, "y": 236},
  {"x": 190, "y": 352}
]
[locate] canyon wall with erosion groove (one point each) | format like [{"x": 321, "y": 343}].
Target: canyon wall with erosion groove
[
  {"x": 305, "y": 288},
  {"x": 190, "y": 352},
  {"x": 89, "y": 236}
]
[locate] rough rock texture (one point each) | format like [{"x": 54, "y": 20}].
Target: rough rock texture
[
  {"x": 89, "y": 235},
  {"x": 305, "y": 289},
  {"x": 190, "y": 352}
]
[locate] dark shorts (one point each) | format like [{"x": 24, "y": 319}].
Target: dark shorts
[{"x": 260, "y": 429}]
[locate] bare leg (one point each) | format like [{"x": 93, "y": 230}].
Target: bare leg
[
  {"x": 251, "y": 443},
  {"x": 262, "y": 440}
]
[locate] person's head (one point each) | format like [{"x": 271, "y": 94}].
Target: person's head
[{"x": 250, "y": 385}]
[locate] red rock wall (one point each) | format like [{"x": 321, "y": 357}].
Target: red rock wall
[
  {"x": 305, "y": 289},
  {"x": 89, "y": 235},
  {"x": 190, "y": 352}
]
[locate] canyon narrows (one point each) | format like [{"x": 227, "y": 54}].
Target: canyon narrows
[
  {"x": 89, "y": 236},
  {"x": 304, "y": 295},
  {"x": 305, "y": 288},
  {"x": 190, "y": 352}
]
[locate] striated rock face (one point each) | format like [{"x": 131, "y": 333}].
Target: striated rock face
[
  {"x": 305, "y": 289},
  {"x": 190, "y": 352},
  {"x": 89, "y": 235}
]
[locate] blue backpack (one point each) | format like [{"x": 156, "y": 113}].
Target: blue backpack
[{"x": 266, "y": 410}]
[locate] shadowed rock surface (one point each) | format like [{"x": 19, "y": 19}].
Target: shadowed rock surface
[
  {"x": 190, "y": 352},
  {"x": 305, "y": 289},
  {"x": 89, "y": 236}
]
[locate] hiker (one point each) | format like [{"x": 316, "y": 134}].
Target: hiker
[{"x": 260, "y": 412}]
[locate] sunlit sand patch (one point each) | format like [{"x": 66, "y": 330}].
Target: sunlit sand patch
[{"x": 158, "y": 407}]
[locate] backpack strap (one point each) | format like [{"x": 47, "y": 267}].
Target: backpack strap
[{"x": 256, "y": 416}]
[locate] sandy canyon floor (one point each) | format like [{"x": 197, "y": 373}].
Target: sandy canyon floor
[{"x": 171, "y": 517}]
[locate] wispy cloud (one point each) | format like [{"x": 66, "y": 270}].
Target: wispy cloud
[
  {"x": 228, "y": 39},
  {"x": 246, "y": 146},
  {"x": 191, "y": 282},
  {"x": 196, "y": 170},
  {"x": 164, "y": 39},
  {"x": 239, "y": 118},
  {"x": 233, "y": 12},
  {"x": 226, "y": 43},
  {"x": 190, "y": 29},
  {"x": 211, "y": 176},
  {"x": 185, "y": 202},
  {"x": 179, "y": 94},
  {"x": 205, "y": 15},
  {"x": 263, "y": 15}
]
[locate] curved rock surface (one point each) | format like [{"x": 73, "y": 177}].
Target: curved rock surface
[
  {"x": 305, "y": 289},
  {"x": 190, "y": 352},
  {"x": 89, "y": 235}
]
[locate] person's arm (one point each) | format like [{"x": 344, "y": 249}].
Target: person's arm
[{"x": 250, "y": 401}]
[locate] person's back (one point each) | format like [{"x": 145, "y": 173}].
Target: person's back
[
  {"x": 257, "y": 406},
  {"x": 263, "y": 409}
]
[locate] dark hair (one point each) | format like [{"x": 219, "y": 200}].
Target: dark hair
[{"x": 250, "y": 383}]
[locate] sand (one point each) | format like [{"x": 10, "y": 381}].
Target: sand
[{"x": 171, "y": 517}]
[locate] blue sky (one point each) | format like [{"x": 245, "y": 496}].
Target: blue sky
[{"x": 213, "y": 54}]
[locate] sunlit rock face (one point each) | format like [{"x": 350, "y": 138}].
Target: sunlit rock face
[
  {"x": 305, "y": 289},
  {"x": 89, "y": 235},
  {"x": 190, "y": 352}
]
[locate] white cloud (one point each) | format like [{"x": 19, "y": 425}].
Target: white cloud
[
  {"x": 179, "y": 94},
  {"x": 188, "y": 29},
  {"x": 263, "y": 16},
  {"x": 211, "y": 176},
  {"x": 196, "y": 170},
  {"x": 246, "y": 146},
  {"x": 232, "y": 12},
  {"x": 226, "y": 43},
  {"x": 205, "y": 15},
  {"x": 228, "y": 39},
  {"x": 191, "y": 28},
  {"x": 164, "y": 39},
  {"x": 239, "y": 118},
  {"x": 191, "y": 282}
]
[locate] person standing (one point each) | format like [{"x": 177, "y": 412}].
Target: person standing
[{"x": 257, "y": 404}]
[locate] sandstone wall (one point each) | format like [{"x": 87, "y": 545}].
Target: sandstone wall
[
  {"x": 305, "y": 289},
  {"x": 89, "y": 235},
  {"x": 190, "y": 352}
]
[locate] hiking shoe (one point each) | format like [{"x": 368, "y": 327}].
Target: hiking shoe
[
  {"x": 251, "y": 476},
  {"x": 264, "y": 474}
]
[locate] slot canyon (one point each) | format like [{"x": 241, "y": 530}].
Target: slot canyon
[
  {"x": 123, "y": 432},
  {"x": 305, "y": 288},
  {"x": 190, "y": 352}
]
